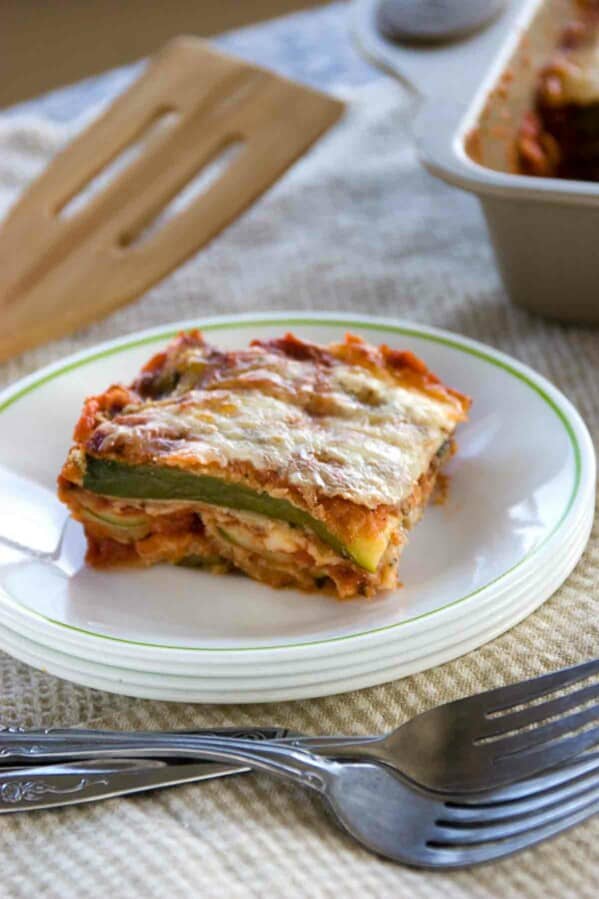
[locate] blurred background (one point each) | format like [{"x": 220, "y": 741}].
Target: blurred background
[{"x": 48, "y": 43}]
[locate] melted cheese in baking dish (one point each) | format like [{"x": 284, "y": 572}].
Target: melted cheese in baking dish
[
  {"x": 369, "y": 443},
  {"x": 579, "y": 74}
]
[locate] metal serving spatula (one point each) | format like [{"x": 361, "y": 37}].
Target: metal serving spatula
[{"x": 64, "y": 262}]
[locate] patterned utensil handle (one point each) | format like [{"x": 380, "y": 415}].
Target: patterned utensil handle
[
  {"x": 12, "y": 738},
  {"x": 52, "y": 786}
]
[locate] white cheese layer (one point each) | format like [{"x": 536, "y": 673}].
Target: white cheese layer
[
  {"x": 369, "y": 443},
  {"x": 579, "y": 74}
]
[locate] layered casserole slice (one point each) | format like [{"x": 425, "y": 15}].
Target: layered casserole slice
[
  {"x": 560, "y": 136},
  {"x": 295, "y": 463}
]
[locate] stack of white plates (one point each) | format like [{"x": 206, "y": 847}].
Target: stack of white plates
[{"x": 517, "y": 518}]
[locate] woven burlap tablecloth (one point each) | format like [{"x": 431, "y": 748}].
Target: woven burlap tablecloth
[{"x": 357, "y": 225}]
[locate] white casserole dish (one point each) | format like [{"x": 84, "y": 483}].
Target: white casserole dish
[{"x": 544, "y": 230}]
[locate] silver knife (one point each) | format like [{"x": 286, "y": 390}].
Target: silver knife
[{"x": 51, "y": 786}]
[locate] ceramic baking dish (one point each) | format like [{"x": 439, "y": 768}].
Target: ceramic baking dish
[{"x": 544, "y": 230}]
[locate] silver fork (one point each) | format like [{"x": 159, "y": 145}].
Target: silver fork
[
  {"x": 403, "y": 822},
  {"x": 472, "y": 744}
]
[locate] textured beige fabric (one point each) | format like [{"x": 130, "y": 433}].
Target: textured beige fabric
[{"x": 357, "y": 226}]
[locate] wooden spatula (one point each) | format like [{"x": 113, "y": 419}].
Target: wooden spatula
[{"x": 64, "y": 264}]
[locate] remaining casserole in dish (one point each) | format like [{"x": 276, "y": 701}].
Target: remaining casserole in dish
[
  {"x": 543, "y": 230},
  {"x": 560, "y": 137},
  {"x": 295, "y": 463}
]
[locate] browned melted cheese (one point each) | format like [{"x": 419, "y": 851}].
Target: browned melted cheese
[{"x": 348, "y": 421}]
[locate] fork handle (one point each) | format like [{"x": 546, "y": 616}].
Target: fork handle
[
  {"x": 10, "y": 735},
  {"x": 281, "y": 759},
  {"x": 340, "y": 746}
]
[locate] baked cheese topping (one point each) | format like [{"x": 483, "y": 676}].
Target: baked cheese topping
[
  {"x": 579, "y": 74},
  {"x": 296, "y": 463},
  {"x": 344, "y": 433}
]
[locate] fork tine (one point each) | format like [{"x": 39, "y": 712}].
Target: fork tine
[
  {"x": 545, "y": 781},
  {"x": 514, "y": 694},
  {"x": 494, "y": 812},
  {"x": 515, "y": 720},
  {"x": 547, "y": 755},
  {"x": 482, "y": 831},
  {"x": 533, "y": 740},
  {"x": 443, "y": 856}
]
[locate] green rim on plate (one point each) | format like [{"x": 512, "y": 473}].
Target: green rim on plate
[{"x": 366, "y": 324}]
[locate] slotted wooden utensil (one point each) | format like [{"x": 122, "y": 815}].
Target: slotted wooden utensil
[{"x": 60, "y": 271}]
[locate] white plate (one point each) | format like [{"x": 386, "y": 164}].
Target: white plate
[
  {"x": 158, "y": 685},
  {"x": 522, "y": 483},
  {"x": 309, "y": 671}
]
